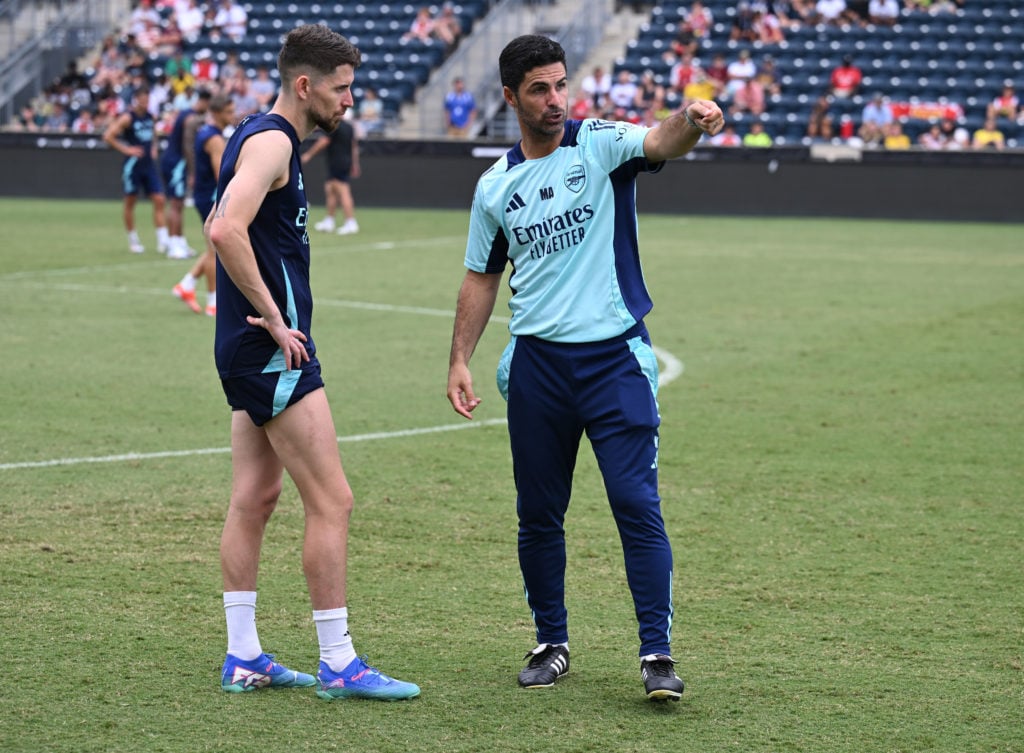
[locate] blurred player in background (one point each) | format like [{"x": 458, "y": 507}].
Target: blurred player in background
[
  {"x": 270, "y": 373},
  {"x": 342, "y": 166},
  {"x": 132, "y": 134},
  {"x": 174, "y": 167},
  {"x": 208, "y": 147},
  {"x": 560, "y": 208}
]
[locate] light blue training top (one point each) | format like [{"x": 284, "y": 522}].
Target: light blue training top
[{"x": 567, "y": 224}]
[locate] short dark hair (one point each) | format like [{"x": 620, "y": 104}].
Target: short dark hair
[
  {"x": 220, "y": 101},
  {"x": 315, "y": 48},
  {"x": 525, "y": 53}
]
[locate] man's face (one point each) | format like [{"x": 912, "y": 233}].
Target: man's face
[
  {"x": 330, "y": 97},
  {"x": 225, "y": 117},
  {"x": 541, "y": 100}
]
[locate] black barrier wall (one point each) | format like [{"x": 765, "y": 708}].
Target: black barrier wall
[{"x": 920, "y": 186}]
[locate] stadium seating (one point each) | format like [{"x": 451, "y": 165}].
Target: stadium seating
[
  {"x": 961, "y": 58},
  {"x": 392, "y": 66}
]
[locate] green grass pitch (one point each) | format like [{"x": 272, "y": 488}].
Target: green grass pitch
[{"x": 841, "y": 472}]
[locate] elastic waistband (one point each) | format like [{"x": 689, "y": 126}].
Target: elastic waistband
[{"x": 636, "y": 330}]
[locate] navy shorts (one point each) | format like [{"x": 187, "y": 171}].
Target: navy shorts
[
  {"x": 139, "y": 176},
  {"x": 174, "y": 178},
  {"x": 265, "y": 395},
  {"x": 337, "y": 173}
]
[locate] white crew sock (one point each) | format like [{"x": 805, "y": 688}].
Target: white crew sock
[
  {"x": 161, "y": 235},
  {"x": 188, "y": 282},
  {"x": 335, "y": 643},
  {"x": 240, "y": 611},
  {"x": 211, "y": 298}
]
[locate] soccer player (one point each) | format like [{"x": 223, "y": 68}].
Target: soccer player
[
  {"x": 207, "y": 149},
  {"x": 559, "y": 207},
  {"x": 342, "y": 166},
  {"x": 268, "y": 367},
  {"x": 174, "y": 168},
  {"x": 131, "y": 133}
]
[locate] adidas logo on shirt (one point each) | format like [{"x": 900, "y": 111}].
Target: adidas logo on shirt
[{"x": 516, "y": 204}]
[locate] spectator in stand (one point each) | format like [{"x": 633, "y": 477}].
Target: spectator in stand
[
  {"x": 181, "y": 82},
  {"x": 932, "y": 139},
  {"x": 743, "y": 24},
  {"x": 210, "y": 21},
  {"x": 231, "y": 21},
  {"x": 56, "y": 119},
  {"x": 205, "y": 70},
  {"x": 757, "y": 136},
  {"x": 84, "y": 123},
  {"x": 263, "y": 88},
  {"x": 728, "y": 137},
  {"x": 682, "y": 72},
  {"x": 718, "y": 74},
  {"x": 819, "y": 125},
  {"x": 884, "y": 12},
  {"x": 29, "y": 120},
  {"x": 142, "y": 17},
  {"x": 934, "y": 6},
  {"x": 793, "y": 13},
  {"x": 422, "y": 27},
  {"x": 159, "y": 94},
  {"x": 241, "y": 94},
  {"x": 189, "y": 18},
  {"x": 178, "y": 61},
  {"x": 834, "y": 13},
  {"x": 699, "y": 88},
  {"x": 858, "y": 11},
  {"x": 1006, "y": 105},
  {"x": 182, "y": 100},
  {"x": 875, "y": 118},
  {"x": 685, "y": 41},
  {"x": 230, "y": 68},
  {"x": 371, "y": 113},
  {"x": 768, "y": 28},
  {"x": 767, "y": 77},
  {"x": 955, "y": 137},
  {"x": 895, "y": 139},
  {"x": 622, "y": 95},
  {"x": 459, "y": 110},
  {"x": 109, "y": 64},
  {"x": 846, "y": 79},
  {"x": 447, "y": 26},
  {"x": 988, "y": 136},
  {"x": 597, "y": 85},
  {"x": 648, "y": 91},
  {"x": 700, "y": 19},
  {"x": 740, "y": 73},
  {"x": 582, "y": 106}
]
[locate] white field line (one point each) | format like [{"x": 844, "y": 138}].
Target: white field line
[
  {"x": 672, "y": 369},
  {"x": 129, "y": 456}
]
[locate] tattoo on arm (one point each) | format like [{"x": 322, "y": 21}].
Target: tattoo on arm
[{"x": 222, "y": 206}]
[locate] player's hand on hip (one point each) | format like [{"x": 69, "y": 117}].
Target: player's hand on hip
[{"x": 290, "y": 341}]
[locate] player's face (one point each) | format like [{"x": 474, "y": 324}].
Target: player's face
[
  {"x": 225, "y": 117},
  {"x": 541, "y": 100},
  {"x": 331, "y": 96}
]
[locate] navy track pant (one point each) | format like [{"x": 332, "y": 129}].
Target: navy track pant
[{"x": 555, "y": 393}]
